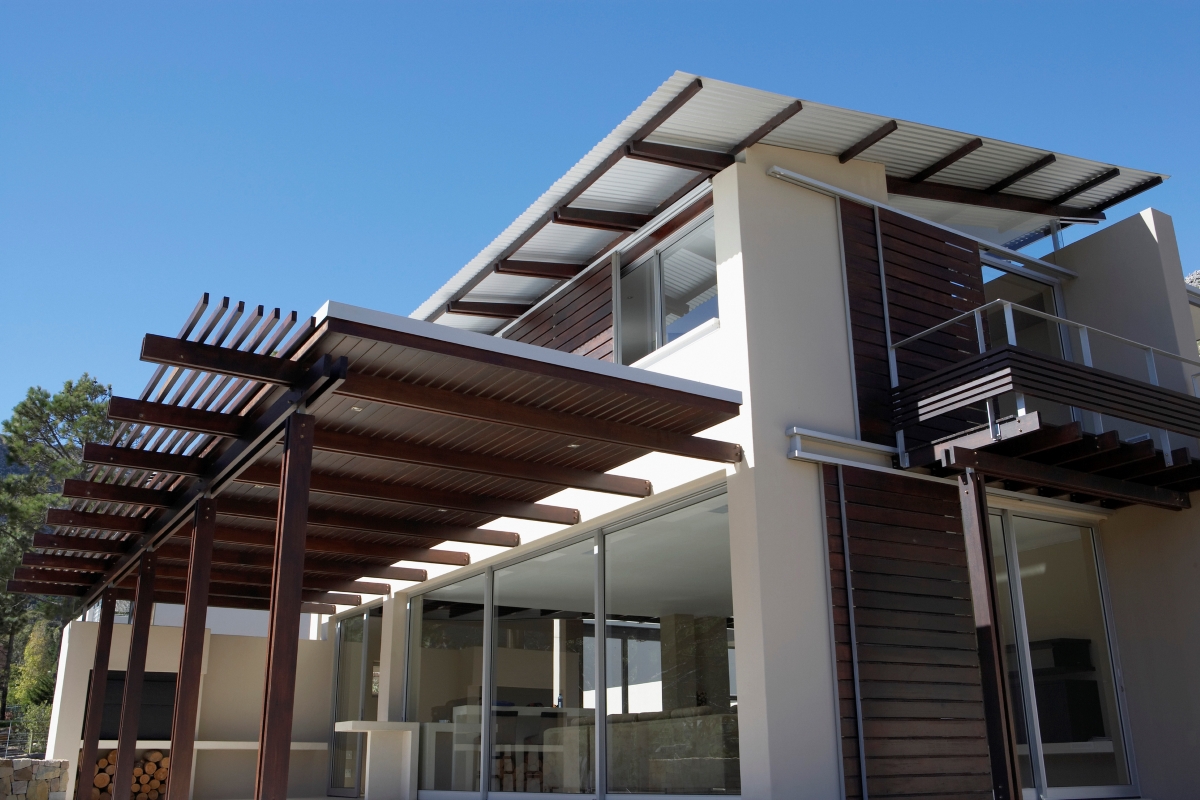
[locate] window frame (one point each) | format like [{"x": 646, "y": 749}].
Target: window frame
[
  {"x": 653, "y": 258},
  {"x": 1016, "y": 594}
]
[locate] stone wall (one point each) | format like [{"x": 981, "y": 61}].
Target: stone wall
[{"x": 32, "y": 779}]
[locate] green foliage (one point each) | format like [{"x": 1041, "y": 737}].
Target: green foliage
[
  {"x": 39, "y": 664},
  {"x": 36, "y": 721}
]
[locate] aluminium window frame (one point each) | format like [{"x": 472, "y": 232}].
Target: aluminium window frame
[
  {"x": 1028, "y": 698},
  {"x": 597, "y": 533},
  {"x": 655, "y": 256},
  {"x": 363, "y": 611}
]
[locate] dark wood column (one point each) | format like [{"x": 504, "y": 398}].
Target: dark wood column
[
  {"x": 135, "y": 671},
  {"x": 275, "y": 733},
  {"x": 996, "y": 709},
  {"x": 191, "y": 651},
  {"x": 95, "y": 700}
]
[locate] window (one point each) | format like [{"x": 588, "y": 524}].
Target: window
[
  {"x": 543, "y": 713},
  {"x": 668, "y": 293},
  {"x": 1058, "y": 657},
  {"x": 445, "y": 681},
  {"x": 356, "y": 697},
  {"x": 672, "y": 722}
]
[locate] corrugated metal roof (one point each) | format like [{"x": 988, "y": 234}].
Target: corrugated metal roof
[{"x": 719, "y": 117}]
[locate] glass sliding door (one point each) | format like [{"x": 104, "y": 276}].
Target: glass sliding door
[
  {"x": 1049, "y": 586},
  {"x": 543, "y": 707},
  {"x": 672, "y": 723},
  {"x": 445, "y": 683},
  {"x": 356, "y": 697}
]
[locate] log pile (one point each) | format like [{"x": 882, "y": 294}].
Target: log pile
[{"x": 150, "y": 774}]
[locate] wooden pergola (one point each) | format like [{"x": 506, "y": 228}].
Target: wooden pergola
[{"x": 259, "y": 470}]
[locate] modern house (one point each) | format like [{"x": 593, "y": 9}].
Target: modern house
[{"x": 758, "y": 456}]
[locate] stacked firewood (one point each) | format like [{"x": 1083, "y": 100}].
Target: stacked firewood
[{"x": 149, "y": 777}]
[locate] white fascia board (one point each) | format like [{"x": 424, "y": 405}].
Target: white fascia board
[{"x": 479, "y": 341}]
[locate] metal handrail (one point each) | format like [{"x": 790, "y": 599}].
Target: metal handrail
[{"x": 1083, "y": 330}]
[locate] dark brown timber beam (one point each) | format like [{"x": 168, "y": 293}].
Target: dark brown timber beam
[
  {"x": 1068, "y": 480},
  {"x": 179, "y": 552},
  {"x": 759, "y": 133},
  {"x": 540, "y": 269},
  {"x": 222, "y": 360},
  {"x": 48, "y": 589},
  {"x": 89, "y": 520},
  {"x": 82, "y": 544},
  {"x": 115, "y": 493},
  {"x": 946, "y": 193},
  {"x": 94, "y": 713},
  {"x": 472, "y": 308},
  {"x": 1103, "y": 177},
  {"x": 387, "y": 450},
  {"x": 414, "y": 495},
  {"x": 37, "y": 575},
  {"x": 143, "y": 412},
  {"x": 224, "y": 575},
  {"x": 618, "y": 221},
  {"x": 127, "y": 457},
  {"x": 248, "y": 591},
  {"x": 854, "y": 150},
  {"x": 77, "y": 563},
  {"x": 442, "y": 401},
  {"x": 135, "y": 671},
  {"x": 672, "y": 155},
  {"x": 1021, "y": 174},
  {"x": 324, "y": 518},
  {"x": 1128, "y": 193},
  {"x": 947, "y": 160}
]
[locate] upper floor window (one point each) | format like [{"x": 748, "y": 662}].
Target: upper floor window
[{"x": 668, "y": 293}]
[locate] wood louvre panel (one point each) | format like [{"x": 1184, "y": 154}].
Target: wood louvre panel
[
  {"x": 932, "y": 275},
  {"x": 580, "y": 320},
  {"x": 919, "y": 682}
]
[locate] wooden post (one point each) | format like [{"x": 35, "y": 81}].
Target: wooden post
[
  {"x": 191, "y": 651},
  {"x": 135, "y": 671},
  {"x": 1002, "y": 745},
  {"x": 275, "y": 733},
  {"x": 95, "y": 700}
]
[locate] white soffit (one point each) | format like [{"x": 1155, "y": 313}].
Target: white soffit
[{"x": 722, "y": 115}]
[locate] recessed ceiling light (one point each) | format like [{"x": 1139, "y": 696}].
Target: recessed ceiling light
[
  {"x": 442, "y": 510},
  {"x": 259, "y": 486},
  {"x": 574, "y": 445},
  {"x": 356, "y": 408}
]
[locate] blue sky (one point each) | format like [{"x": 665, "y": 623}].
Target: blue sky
[{"x": 290, "y": 153}]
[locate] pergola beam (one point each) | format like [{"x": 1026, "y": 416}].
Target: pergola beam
[
  {"x": 617, "y": 221},
  {"x": 946, "y": 193},
  {"x": 415, "y": 495},
  {"x": 550, "y": 270},
  {"x": 224, "y": 360},
  {"x": 116, "y": 493},
  {"x": 790, "y": 110},
  {"x": 708, "y": 161},
  {"x": 1103, "y": 177},
  {"x": 91, "y": 520},
  {"x": 179, "y": 552},
  {"x": 484, "y": 409},
  {"x": 144, "y": 412},
  {"x": 471, "y": 308},
  {"x": 883, "y": 131},
  {"x": 1021, "y": 174},
  {"x": 946, "y": 160},
  {"x": 129, "y": 458}
]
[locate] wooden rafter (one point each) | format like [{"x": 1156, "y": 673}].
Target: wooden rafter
[
  {"x": 619, "y": 221},
  {"x": 946, "y": 160},
  {"x": 473, "y": 308},
  {"x": 1022, "y": 173},
  {"x": 762, "y": 131},
  {"x": 551, "y": 270},
  {"x": 856, "y": 149},
  {"x": 1103, "y": 177},
  {"x": 708, "y": 161}
]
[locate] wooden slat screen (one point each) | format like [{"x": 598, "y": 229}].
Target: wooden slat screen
[
  {"x": 851, "y": 763},
  {"x": 579, "y": 321},
  {"x": 932, "y": 275},
  {"x": 920, "y": 686}
]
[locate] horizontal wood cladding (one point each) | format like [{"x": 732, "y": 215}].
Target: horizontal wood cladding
[
  {"x": 579, "y": 320},
  {"x": 918, "y": 669},
  {"x": 932, "y": 275}
]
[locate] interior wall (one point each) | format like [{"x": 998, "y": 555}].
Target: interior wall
[{"x": 1153, "y": 563}]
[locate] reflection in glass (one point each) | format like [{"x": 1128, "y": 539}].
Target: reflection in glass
[
  {"x": 1069, "y": 654},
  {"x": 672, "y": 721},
  {"x": 544, "y": 732},
  {"x": 1006, "y": 625},
  {"x": 689, "y": 281},
  {"x": 639, "y": 317},
  {"x": 356, "y": 696},
  {"x": 445, "y": 682}
]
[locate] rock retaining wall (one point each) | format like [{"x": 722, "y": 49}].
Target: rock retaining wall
[{"x": 33, "y": 779}]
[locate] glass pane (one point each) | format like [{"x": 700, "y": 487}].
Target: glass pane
[
  {"x": 639, "y": 320},
  {"x": 543, "y": 720},
  {"x": 1006, "y": 620},
  {"x": 1033, "y": 333},
  {"x": 347, "y": 747},
  {"x": 1068, "y": 650},
  {"x": 445, "y": 682},
  {"x": 672, "y": 721},
  {"x": 374, "y": 634},
  {"x": 690, "y": 281}
]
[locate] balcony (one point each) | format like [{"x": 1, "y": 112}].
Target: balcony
[{"x": 1047, "y": 404}]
